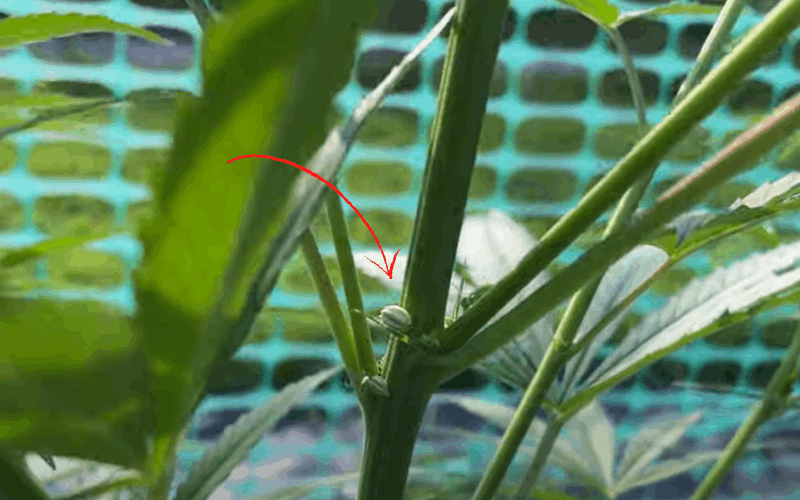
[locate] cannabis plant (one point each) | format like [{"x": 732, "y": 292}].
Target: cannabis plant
[{"x": 84, "y": 380}]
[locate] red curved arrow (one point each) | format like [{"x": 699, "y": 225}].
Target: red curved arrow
[{"x": 389, "y": 268}]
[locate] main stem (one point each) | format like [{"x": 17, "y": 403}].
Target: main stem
[{"x": 392, "y": 425}]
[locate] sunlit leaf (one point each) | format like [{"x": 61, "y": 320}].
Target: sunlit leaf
[
  {"x": 569, "y": 451},
  {"x": 600, "y": 11},
  {"x": 326, "y": 163},
  {"x": 669, "y": 9},
  {"x": 21, "y": 30},
  {"x": 768, "y": 191},
  {"x": 105, "y": 486},
  {"x": 199, "y": 256}
]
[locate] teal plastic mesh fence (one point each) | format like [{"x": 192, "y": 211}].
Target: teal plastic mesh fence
[{"x": 559, "y": 115}]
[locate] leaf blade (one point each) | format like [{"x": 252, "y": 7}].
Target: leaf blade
[
  {"x": 51, "y": 246},
  {"x": 674, "y": 8},
  {"x": 649, "y": 444},
  {"x": 72, "y": 378},
  {"x": 22, "y": 30},
  {"x": 618, "y": 282},
  {"x": 757, "y": 281},
  {"x": 237, "y": 440},
  {"x": 600, "y": 11},
  {"x": 198, "y": 255}
]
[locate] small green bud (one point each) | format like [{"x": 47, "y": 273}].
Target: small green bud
[{"x": 396, "y": 319}]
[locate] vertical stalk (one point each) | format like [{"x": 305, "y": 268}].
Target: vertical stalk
[
  {"x": 772, "y": 403},
  {"x": 327, "y": 295},
  {"x": 711, "y": 47},
  {"x": 352, "y": 289},
  {"x": 392, "y": 425},
  {"x": 472, "y": 50},
  {"x": 633, "y": 78},
  {"x": 543, "y": 447}
]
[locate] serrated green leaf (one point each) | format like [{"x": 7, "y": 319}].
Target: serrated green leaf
[
  {"x": 21, "y": 30},
  {"x": 703, "y": 304},
  {"x": 72, "y": 379},
  {"x": 326, "y": 162},
  {"x": 199, "y": 256},
  {"x": 489, "y": 247},
  {"x": 697, "y": 228},
  {"x": 768, "y": 191},
  {"x": 589, "y": 439},
  {"x": 600, "y": 11},
  {"x": 49, "y": 247},
  {"x": 619, "y": 281},
  {"x": 236, "y": 442},
  {"x": 565, "y": 453},
  {"x": 645, "y": 448},
  {"x": 669, "y": 9},
  {"x": 668, "y": 469}
]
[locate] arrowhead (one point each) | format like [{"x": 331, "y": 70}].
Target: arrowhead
[{"x": 389, "y": 269}]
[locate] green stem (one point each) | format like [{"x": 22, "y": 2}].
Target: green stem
[
  {"x": 627, "y": 206},
  {"x": 556, "y": 356},
  {"x": 633, "y": 78},
  {"x": 327, "y": 159},
  {"x": 739, "y": 155},
  {"x": 471, "y": 57},
  {"x": 392, "y": 425},
  {"x": 352, "y": 289},
  {"x": 772, "y": 402},
  {"x": 327, "y": 295},
  {"x": 701, "y": 101},
  {"x": 554, "y": 359},
  {"x": 711, "y": 47},
  {"x": 520, "y": 423},
  {"x": 543, "y": 447}
]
